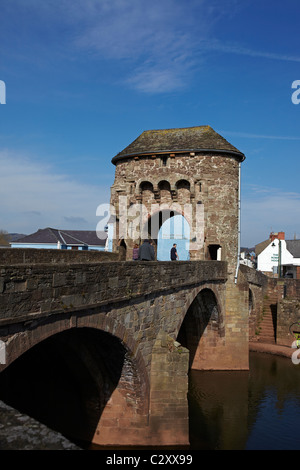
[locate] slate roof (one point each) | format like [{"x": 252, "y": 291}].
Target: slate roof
[
  {"x": 188, "y": 139},
  {"x": 293, "y": 247},
  {"x": 260, "y": 247},
  {"x": 65, "y": 237}
]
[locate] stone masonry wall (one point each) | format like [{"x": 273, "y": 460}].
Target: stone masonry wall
[
  {"x": 288, "y": 311},
  {"x": 208, "y": 179},
  {"x": 257, "y": 290},
  {"x": 121, "y": 294},
  {"x": 27, "y": 256},
  {"x": 39, "y": 301},
  {"x": 47, "y": 289}
]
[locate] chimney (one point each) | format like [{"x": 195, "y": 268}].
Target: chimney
[{"x": 278, "y": 235}]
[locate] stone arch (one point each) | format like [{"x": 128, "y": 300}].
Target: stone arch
[
  {"x": 146, "y": 192},
  {"x": 122, "y": 247},
  {"x": 155, "y": 220},
  {"x": 123, "y": 398},
  {"x": 145, "y": 186},
  {"x": 164, "y": 176},
  {"x": 202, "y": 328},
  {"x": 183, "y": 183},
  {"x": 192, "y": 293},
  {"x": 164, "y": 188},
  {"x": 183, "y": 189}
]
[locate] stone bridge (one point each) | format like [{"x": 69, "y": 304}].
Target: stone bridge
[{"x": 100, "y": 349}]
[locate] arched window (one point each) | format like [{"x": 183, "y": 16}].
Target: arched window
[
  {"x": 146, "y": 186},
  {"x": 146, "y": 191},
  {"x": 183, "y": 191},
  {"x": 165, "y": 191},
  {"x": 183, "y": 184}
]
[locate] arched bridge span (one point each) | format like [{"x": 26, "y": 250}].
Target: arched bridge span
[{"x": 130, "y": 331}]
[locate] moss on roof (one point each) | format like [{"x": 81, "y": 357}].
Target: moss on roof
[{"x": 189, "y": 139}]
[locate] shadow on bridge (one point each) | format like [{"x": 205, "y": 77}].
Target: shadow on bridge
[
  {"x": 203, "y": 325},
  {"x": 67, "y": 380}
]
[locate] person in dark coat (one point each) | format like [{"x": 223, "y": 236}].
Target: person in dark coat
[
  {"x": 173, "y": 254},
  {"x": 146, "y": 251}
]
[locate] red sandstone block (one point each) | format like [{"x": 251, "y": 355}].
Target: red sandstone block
[{"x": 108, "y": 422}]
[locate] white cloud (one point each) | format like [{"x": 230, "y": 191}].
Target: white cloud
[
  {"x": 258, "y": 136},
  {"x": 240, "y": 50},
  {"x": 160, "y": 39},
  {"x": 267, "y": 209},
  {"x": 154, "y": 38},
  {"x": 155, "y": 41},
  {"x": 34, "y": 196}
]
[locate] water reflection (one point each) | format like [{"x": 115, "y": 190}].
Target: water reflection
[{"x": 259, "y": 409}]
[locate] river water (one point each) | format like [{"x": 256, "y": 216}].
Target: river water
[
  {"x": 243, "y": 410},
  {"x": 254, "y": 410}
]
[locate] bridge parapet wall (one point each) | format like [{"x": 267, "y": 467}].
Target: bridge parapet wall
[
  {"x": 38, "y": 290},
  {"x": 132, "y": 301},
  {"x": 143, "y": 305},
  {"x": 28, "y": 256}
]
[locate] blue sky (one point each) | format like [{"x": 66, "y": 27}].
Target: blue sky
[{"x": 84, "y": 78}]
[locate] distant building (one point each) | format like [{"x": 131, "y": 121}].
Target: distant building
[
  {"x": 51, "y": 238},
  {"x": 247, "y": 257},
  {"x": 279, "y": 257}
]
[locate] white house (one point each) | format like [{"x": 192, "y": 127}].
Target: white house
[
  {"x": 247, "y": 257},
  {"x": 279, "y": 256}
]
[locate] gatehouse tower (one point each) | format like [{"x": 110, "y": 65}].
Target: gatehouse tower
[{"x": 189, "y": 172}]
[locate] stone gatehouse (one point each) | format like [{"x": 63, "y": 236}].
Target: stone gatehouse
[{"x": 192, "y": 172}]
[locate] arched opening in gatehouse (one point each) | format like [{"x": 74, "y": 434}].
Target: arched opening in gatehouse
[
  {"x": 202, "y": 329},
  {"x": 68, "y": 380},
  {"x": 165, "y": 228},
  {"x": 176, "y": 229},
  {"x": 122, "y": 250}
]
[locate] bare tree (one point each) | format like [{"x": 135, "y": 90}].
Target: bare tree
[{"x": 4, "y": 238}]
